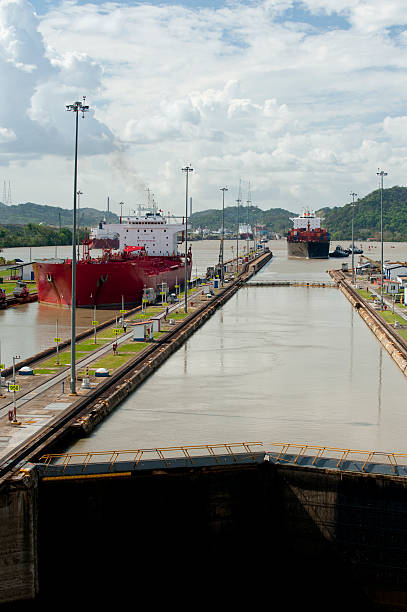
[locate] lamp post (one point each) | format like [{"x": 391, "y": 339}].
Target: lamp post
[
  {"x": 248, "y": 202},
  {"x": 238, "y": 202},
  {"x": 79, "y": 193},
  {"x": 222, "y": 273},
  {"x": 353, "y": 195},
  {"x": 14, "y": 391},
  {"x": 187, "y": 170},
  {"x": 381, "y": 173},
  {"x": 76, "y": 107},
  {"x": 14, "y": 367}
]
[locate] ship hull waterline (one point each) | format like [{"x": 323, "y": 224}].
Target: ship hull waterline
[
  {"x": 108, "y": 284},
  {"x": 308, "y": 250}
]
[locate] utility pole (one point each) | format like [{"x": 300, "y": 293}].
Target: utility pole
[
  {"x": 187, "y": 170},
  {"x": 381, "y": 173},
  {"x": 353, "y": 195},
  {"x": 79, "y": 193},
  {"x": 249, "y": 201},
  {"x": 222, "y": 273},
  {"x": 76, "y": 107},
  {"x": 238, "y": 201}
]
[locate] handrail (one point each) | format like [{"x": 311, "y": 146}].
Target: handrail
[
  {"x": 284, "y": 452},
  {"x": 299, "y": 450},
  {"x": 65, "y": 459}
]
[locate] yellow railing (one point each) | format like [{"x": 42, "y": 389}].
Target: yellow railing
[
  {"x": 283, "y": 452},
  {"x": 331, "y": 452},
  {"x": 135, "y": 456}
]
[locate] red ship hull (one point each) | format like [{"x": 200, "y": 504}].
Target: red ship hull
[{"x": 107, "y": 283}]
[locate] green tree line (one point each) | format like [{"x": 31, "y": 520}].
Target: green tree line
[
  {"x": 56, "y": 216},
  {"x": 338, "y": 220},
  {"x": 275, "y": 219},
  {"x": 34, "y": 234}
]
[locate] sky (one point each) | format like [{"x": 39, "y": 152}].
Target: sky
[{"x": 300, "y": 103}]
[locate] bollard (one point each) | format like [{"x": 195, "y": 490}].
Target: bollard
[{"x": 63, "y": 387}]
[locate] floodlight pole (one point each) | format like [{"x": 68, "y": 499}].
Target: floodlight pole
[
  {"x": 381, "y": 173},
  {"x": 353, "y": 195},
  {"x": 79, "y": 193},
  {"x": 187, "y": 170},
  {"x": 76, "y": 107},
  {"x": 238, "y": 201},
  {"x": 222, "y": 273}
]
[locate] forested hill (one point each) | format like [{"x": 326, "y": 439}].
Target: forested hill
[
  {"x": 51, "y": 215},
  {"x": 338, "y": 220},
  {"x": 34, "y": 234},
  {"x": 276, "y": 219}
]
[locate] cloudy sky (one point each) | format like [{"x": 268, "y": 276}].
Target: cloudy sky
[{"x": 304, "y": 100}]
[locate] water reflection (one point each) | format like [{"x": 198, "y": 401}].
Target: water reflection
[
  {"x": 271, "y": 365},
  {"x": 30, "y": 328}
]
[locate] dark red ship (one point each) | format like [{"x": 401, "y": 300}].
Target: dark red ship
[
  {"x": 307, "y": 239},
  {"x": 147, "y": 257}
]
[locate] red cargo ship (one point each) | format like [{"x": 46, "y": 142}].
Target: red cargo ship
[{"x": 147, "y": 257}]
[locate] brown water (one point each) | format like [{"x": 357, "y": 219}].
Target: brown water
[
  {"x": 27, "y": 329},
  {"x": 274, "y": 364}
]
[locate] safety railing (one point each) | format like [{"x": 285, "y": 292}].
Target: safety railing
[
  {"x": 165, "y": 455},
  {"x": 291, "y": 283},
  {"x": 292, "y": 453}
]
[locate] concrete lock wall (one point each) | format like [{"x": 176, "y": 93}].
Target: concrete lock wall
[
  {"x": 313, "y": 537},
  {"x": 310, "y": 536},
  {"x": 18, "y": 539}
]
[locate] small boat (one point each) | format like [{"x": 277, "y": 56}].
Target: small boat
[
  {"x": 356, "y": 251},
  {"x": 339, "y": 252}
]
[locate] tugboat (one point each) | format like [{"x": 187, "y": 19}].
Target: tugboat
[
  {"x": 307, "y": 238},
  {"x": 339, "y": 252},
  {"x": 356, "y": 251}
]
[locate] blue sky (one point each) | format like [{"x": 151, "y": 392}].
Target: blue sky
[
  {"x": 43, "y": 5},
  {"x": 298, "y": 13},
  {"x": 304, "y": 100}
]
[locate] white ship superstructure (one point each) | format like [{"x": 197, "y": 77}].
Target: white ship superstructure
[
  {"x": 148, "y": 229},
  {"x": 306, "y": 220}
]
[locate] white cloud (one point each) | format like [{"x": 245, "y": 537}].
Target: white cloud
[
  {"x": 6, "y": 135},
  {"x": 35, "y": 89},
  {"x": 303, "y": 111}
]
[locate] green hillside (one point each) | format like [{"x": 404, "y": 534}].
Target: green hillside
[
  {"x": 51, "y": 215},
  {"x": 338, "y": 220},
  {"x": 34, "y": 234},
  {"x": 276, "y": 219}
]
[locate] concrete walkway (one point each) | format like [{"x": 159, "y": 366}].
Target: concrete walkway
[
  {"x": 375, "y": 290},
  {"x": 42, "y": 399}
]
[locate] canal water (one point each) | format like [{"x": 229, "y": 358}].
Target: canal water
[
  {"x": 27, "y": 329},
  {"x": 30, "y": 328},
  {"x": 275, "y": 364}
]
